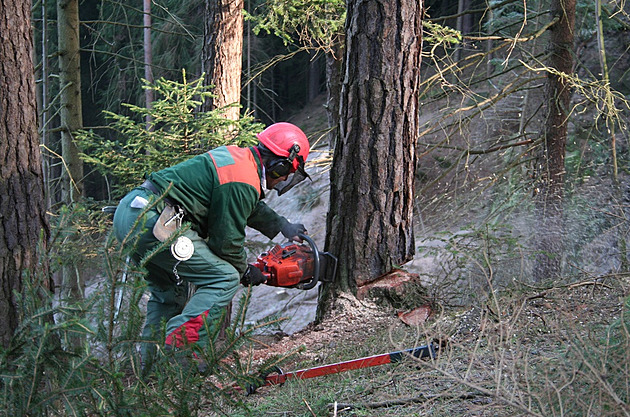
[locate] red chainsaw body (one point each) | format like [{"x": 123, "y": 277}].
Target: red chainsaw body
[{"x": 287, "y": 265}]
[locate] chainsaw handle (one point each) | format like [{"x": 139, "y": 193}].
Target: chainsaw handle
[{"x": 315, "y": 279}]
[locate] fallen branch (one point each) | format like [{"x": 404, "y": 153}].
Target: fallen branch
[
  {"x": 585, "y": 283},
  {"x": 403, "y": 401}
]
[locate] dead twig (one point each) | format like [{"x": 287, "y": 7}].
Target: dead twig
[
  {"x": 309, "y": 407},
  {"x": 585, "y": 283},
  {"x": 545, "y": 291},
  {"x": 404, "y": 401}
]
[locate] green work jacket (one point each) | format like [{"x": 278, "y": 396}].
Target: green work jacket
[{"x": 221, "y": 191}]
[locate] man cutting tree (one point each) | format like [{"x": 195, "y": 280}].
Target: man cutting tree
[{"x": 217, "y": 194}]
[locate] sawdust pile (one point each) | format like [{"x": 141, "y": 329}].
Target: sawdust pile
[{"x": 349, "y": 321}]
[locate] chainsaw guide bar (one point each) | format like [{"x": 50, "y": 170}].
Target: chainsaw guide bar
[{"x": 279, "y": 377}]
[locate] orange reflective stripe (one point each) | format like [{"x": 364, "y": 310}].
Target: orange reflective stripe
[{"x": 242, "y": 168}]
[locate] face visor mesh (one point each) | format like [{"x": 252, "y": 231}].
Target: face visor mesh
[{"x": 294, "y": 179}]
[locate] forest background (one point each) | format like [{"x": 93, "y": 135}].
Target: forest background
[{"x": 500, "y": 206}]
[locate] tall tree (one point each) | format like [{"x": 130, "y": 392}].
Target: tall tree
[
  {"x": 551, "y": 169},
  {"x": 370, "y": 219},
  {"x": 223, "y": 53},
  {"x": 22, "y": 208},
  {"x": 222, "y": 62},
  {"x": 148, "y": 58},
  {"x": 71, "y": 118},
  {"x": 70, "y": 86},
  {"x": 333, "y": 90}
]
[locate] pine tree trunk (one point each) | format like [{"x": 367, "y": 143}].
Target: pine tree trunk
[
  {"x": 222, "y": 61},
  {"x": 223, "y": 53},
  {"x": 71, "y": 117},
  {"x": 550, "y": 196},
  {"x": 370, "y": 220},
  {"x": 333, "y": 89},
  {"x": 22, "y": 208},
  {"x": 148, "y": 60},
  {"x": 70, "y": 84}
]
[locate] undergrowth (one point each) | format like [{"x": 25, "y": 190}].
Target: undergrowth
[{"x": 44, "y": 372}]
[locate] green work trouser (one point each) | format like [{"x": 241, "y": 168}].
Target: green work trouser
[{"x": 216, "y": 279}]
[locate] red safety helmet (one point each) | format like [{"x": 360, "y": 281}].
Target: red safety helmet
[
  {"x": 291, "y": 146},
  {"x": 287, "y": 140}
]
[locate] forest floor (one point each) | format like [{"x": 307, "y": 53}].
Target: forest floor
[
  {"x": 523, "y": 352},
  {"x": 518, "y": 350}
]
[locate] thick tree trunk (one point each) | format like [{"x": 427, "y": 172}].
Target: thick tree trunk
[
  {"x": 551, "y": 169},
  {"x": 223, "y": 53},
  {"x": 22, "y": 208},
  {"x": 333, "y": 90},
  {"x": 369, "y": 225},
  {"x": 222, "y": 61}
]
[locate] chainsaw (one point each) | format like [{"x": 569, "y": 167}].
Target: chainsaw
[{"x": 293, "y": 265}]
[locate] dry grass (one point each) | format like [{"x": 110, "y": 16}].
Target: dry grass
[{"x": 560, "y": 351}]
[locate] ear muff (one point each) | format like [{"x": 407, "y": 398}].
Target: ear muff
[
  {"x": 279, "y": 168},
  {"x": 284, "y": 166}
]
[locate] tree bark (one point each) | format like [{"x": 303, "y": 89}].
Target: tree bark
[
  {"x": 22, "y": 208},
  {"x": 551, "y": 170},
  {"x": 223, "y": 53},
  {"x": 71, "y": 112},
  {"x": 370, "y": 219},
  {"x": 148, "y": 60},
  {"x": 222, "y": 61},
  {"x": 71, "y": 117},
  {"x": 333, "y": 90}
]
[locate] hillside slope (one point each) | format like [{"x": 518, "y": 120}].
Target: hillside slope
[{"x": 510, "y": 350}]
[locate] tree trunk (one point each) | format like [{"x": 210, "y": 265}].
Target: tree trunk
[
  {"x": 333, "y": 89},
  {"x": 459, "y": 25},
  {"x": 70, "y": 85},
  {"x": 22, "y": 208},
  {"x": 369, "y": 225},
  {"x": 223, "y": 53},
  {"x": 550, "y": 196},
  {"x": 43, "y": 100},
  {"x": 148, "y": 60},
  {"x": 71, "y": 120},
  {"x": 222, "y": 61}
]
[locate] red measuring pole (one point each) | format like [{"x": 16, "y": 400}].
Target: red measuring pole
[{"x": 427, "y": 351}]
